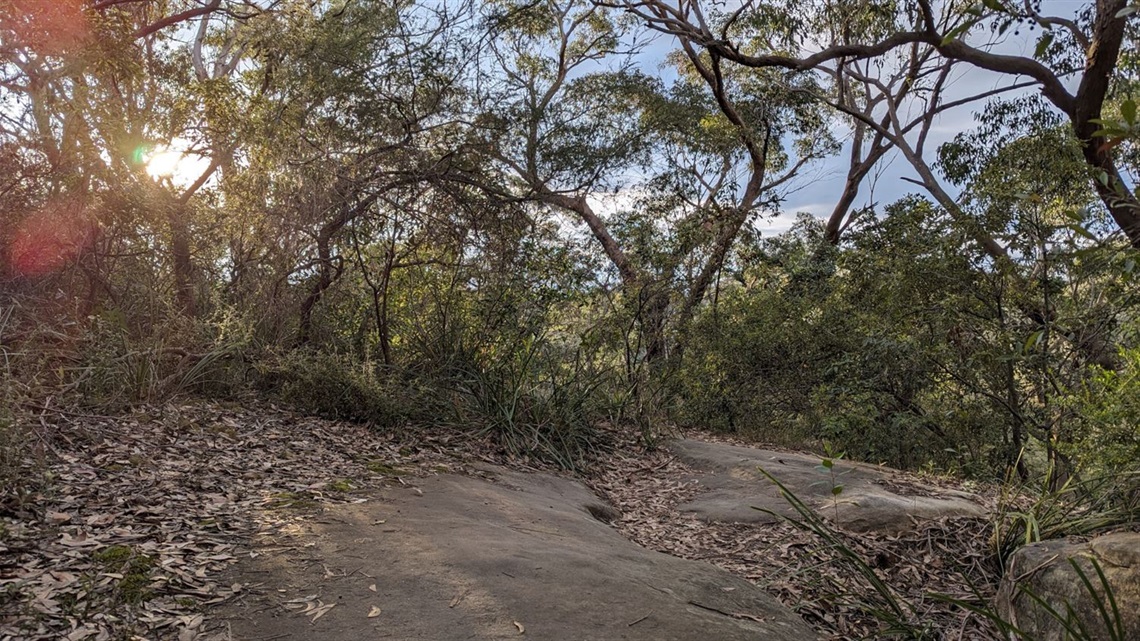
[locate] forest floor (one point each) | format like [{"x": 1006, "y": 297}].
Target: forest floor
[{"x": 164, "y": 524}]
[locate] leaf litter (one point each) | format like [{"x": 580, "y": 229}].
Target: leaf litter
[
  {"x": 947, "y": 557},
  {"x": 141, "y": 514}
]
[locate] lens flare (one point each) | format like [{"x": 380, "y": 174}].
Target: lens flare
[
  {"x": 50, "y": 238},
  {"x": 49, "y": 26},
  {"x": 140, "y": 154}
]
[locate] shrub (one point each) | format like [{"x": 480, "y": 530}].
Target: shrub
[
  {"x": 341, "y": 388},
  {"x": 538, "y": 402},
  {"x": 1105, "y": 424}
]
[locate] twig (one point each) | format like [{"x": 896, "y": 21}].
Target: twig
[
  {"x": 732, "y": 615},
  {"x": 630, "y": 625},
  {"x": 45, "y": 408},
  {"x": 1035, "y": 568}
]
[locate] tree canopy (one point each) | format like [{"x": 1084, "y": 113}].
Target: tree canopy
[{"x": 543, "y": 216}]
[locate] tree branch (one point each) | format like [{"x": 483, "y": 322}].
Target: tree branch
[{"x": 189, "y": 14}]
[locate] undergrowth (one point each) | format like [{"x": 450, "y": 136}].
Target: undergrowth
[
  {"x": 1028, "y": 513},
  {"x": 904, "y": 615},
  {"x": 534, "y": 409},
  {"x": 342, "y": 388},
  {"x": 530, "y": 409}
]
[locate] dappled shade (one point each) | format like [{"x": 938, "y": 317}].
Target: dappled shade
[{"x": 556, "y": 235}]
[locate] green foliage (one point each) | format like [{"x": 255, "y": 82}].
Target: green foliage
[
  {"x": 539, "y": 404},
  {"x": 116, "y": 366},
  {"x": 1080, "y": 507},
  {"x": 818, "y": 344},
  {"x": 547, "y": 410},
  {"x": 1104, "y": 430},
  {"x": 385, "y": 235},
  {"x": 1076, "y": 628},
  {"x": 827, "y": 466},
  {"x": 905, "y": 346},
  {"x": 340, "y": 387}
]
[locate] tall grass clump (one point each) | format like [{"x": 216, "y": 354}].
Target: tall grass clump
[
  {"x": 537, "y": 402},
  {"x": 341, "y": 387}
]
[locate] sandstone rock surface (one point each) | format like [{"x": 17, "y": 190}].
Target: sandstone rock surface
[
  {"x": 873, "y": 498},
  {"x": 468, "y": 558},
  {"x": 1044, "y": 569}
]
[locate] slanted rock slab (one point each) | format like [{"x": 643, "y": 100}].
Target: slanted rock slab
[
  {"x": 1044, "y": 570},
  {"x": 873, "y": 498},
  {"x": 466, "y": 558}
]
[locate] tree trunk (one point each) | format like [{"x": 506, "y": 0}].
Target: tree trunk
[
  {"x": 1122, "y": 205},
  {"x": 1103, "y": 56},
  {"x": 652, "y": 314},
  {"x": 182, "y": 262},
  {"x": 327, "y": 272},
  {"x": 329, "y": 267},
  {"x": 383, "y": 327}
]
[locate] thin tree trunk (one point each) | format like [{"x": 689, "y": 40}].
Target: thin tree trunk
[
  {"x": 383, "y": 328},
  {"x": 327, "y": 273},
  {"x": 329, "y": 268},
  {"x": 182, "y": 261}
]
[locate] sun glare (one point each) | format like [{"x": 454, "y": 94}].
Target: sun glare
[
  {"x": 164, "y": 164},
  {"x": 173, "y": 162}
]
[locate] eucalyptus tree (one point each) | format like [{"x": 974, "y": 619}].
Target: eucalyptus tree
[
  {"x": 1022, "y": 171},
  {"x": 684, "y": 167},
  {"x": 1074, "y": 64},
  {"x": 95, "y": 90},
  {"x": 357, "y": 152}
]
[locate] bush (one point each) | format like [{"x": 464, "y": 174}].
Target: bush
[
  {"x": 342, "y": 388},
  {"x": 894, "y": 349},
  {"x": 538, "y": 401},
  {"x": 1104, "y": 429}
]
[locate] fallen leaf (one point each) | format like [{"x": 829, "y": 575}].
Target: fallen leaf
[
  {"x": 321, "y": 611},
  {"x": 78, "y": 541},
  {"x": 99, "y": 520},
  {"x": 374, "y": 612}
]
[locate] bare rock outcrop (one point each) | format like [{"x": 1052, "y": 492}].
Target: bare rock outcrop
[
  {"x": 873, "y": 498},
  {"x": 468, "y": 558},
  {"x": 1045, "y": 570}
]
